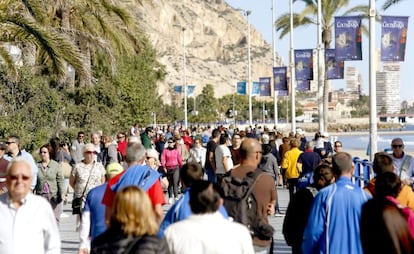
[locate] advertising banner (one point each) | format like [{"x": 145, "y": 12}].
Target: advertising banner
[
  {"x": 304, "y": 64},
  {"x": 279, "y": 78},
  {"x": 348, "y": 38},
  {"x": 334, "y": 68},
  {"x": 393, "y": 38}
]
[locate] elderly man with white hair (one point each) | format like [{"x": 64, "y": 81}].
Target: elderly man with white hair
[{"x": 28, "y": 224}]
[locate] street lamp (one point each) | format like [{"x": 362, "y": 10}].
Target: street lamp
[
  {"x": 372, "y": 84},
  {"x": 274, "y": 61},
  {"x": 184, "y": 78},
  {"x": 292, "y": 70},
  {"x": 249, "y": 85}
]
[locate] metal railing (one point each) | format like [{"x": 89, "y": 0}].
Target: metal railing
[{"x": 363, "y": 172}]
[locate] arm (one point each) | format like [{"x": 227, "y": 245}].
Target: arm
[
  {"x": 72, "y": 178},
  {"x": 315, "y": 226},
  {"x": 60, "y": 182},
  {"x": 212, "y": 161}
]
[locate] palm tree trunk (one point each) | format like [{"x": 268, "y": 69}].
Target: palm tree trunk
[{"x": 86, "y": 80}]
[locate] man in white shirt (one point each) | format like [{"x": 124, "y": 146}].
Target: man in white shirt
[
  {"x": 223, "y": 159},
  {"x": 27, "y": 221},
  {"x": 403, "y": 162},
  {"x": 207, "y": 231}
]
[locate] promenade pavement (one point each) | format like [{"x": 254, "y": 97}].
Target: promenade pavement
[{"x": 70, "y": 238}]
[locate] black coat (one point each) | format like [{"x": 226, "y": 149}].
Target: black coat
[{"x": 114, "y": 242}]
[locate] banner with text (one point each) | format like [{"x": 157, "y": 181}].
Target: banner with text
[
  {"x": 302, "y": 85},
  {"x": 242, "y": 87},
  {"x": 393, "y": 38},
  {"x": 334, "y": 67},
  {"x": 265, "y": 86},
  {"x": 190, "y": 89},
  {"x": 303, "y": 64},
  {"x": 348, "y": 38},
  {"x": 279, "y": 78},
  {"x": 255, "y": 88}
]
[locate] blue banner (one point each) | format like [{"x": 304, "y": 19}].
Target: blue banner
[
  {"x": 190, "y": 90},
  {"x": 393, "y": 38},
  {"x": 265, "y": 86},
  {"x": 304, "y": 64},
  {"x": 255, "y": 88},
  {"x": 348, "y": 38},
  {"x": 283, "y": 93},
  {"x": 279, "y": 78},
  {"x": 303, "y": 85},
  {"x": 334, "y": 67},
  {"x": 178, "y": 88},
  {"x": 242, "y": 87}
]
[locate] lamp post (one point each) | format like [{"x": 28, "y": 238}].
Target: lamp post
[
  {"x": 274, "y": 61},
  {"x": 249, "y": 69},
  {"x": 292, "y": 70},
  {"x": 321, "y": 72},
  {"x": 372, "y": 84},
  {"x": 184, "y": 77}
]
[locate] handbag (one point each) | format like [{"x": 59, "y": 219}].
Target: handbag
[
  {"x": 66, "y": 168},
  {"x": 77, "y": 202}
]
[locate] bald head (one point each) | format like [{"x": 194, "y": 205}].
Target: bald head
[{"x": 250, "y": 149}]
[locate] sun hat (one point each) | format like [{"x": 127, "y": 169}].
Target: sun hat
[
  {"x": 89, "y": 148},
  {"x": 114, "y": 168}
]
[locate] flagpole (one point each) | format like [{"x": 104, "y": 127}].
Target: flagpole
[
  {"x": 372, "y": 83},
  {"x": 292, "y": 71},
  {"x": 321, "y": 72},
  {"x": 274, "y": 64}
]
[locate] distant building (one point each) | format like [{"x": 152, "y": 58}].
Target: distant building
[
  {"x": 388, "y": 89},
  {"x": 353, "y": 80}
]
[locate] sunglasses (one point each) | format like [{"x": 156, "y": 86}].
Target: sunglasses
[
  {"x": 10, "y": 142},
  {"x": 81, "y": 136},
  {"x": 148, "y": 158},
  {"x": 89, "y": 152},
  {"x": 397, "y": 146},
  {"x": 16, "y": 177}
]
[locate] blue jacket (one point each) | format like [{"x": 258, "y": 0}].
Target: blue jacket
[
  {"x": 97, "y": 210},
  {"x": 180, "y": 211},
  {"x": 333, "y": 225}
]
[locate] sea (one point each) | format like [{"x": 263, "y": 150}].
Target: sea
[{"x": 361, "y": 141}]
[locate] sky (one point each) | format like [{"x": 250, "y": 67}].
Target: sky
[{"x": 306, "y": 37}]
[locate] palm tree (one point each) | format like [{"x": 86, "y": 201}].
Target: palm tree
[
  {"x": 390, "y": 3},
  {"x": 18, "y": 27},
  {"x": 98, "y": 27},
  {"x": 307, "y": 17}
]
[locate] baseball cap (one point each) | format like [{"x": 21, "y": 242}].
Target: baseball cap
[
  {"x": 114, "y": 168},
  {"x": 89, "y": 148}
]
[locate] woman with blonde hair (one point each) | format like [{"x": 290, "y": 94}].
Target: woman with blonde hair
[{"x": 132, "y": 227}]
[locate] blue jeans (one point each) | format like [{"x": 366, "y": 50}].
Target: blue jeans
[{"x": 211, "y": 176}]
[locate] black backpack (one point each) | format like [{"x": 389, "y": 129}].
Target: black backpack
[{"x": 241, "y": 203}]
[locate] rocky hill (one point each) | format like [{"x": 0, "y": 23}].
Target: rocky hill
[{"x": 215, "y": 40}]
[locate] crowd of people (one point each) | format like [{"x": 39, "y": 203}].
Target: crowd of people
[{"x": 215, "y": 180}]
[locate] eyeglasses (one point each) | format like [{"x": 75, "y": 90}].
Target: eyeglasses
[
  {"x": 397, "y": 146},
  {"x": 16, "y": 177},
  {"x": 81, "y": 136},
  {"x": 10, "y": 142}
]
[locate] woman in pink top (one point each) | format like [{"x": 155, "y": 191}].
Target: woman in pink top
[{"x": 171, "y": 162}]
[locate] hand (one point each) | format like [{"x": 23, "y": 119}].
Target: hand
[
  {"x": 83, "y": 251},
  {"x": 407, "y": 182},
  {"x": 270, "y": 209}
]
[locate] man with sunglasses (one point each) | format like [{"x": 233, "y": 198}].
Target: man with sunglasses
[
  {"x": 403, "y": 163},
  {"x": 27, "y": 221},
  {"x": 13, "y": 151}
]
